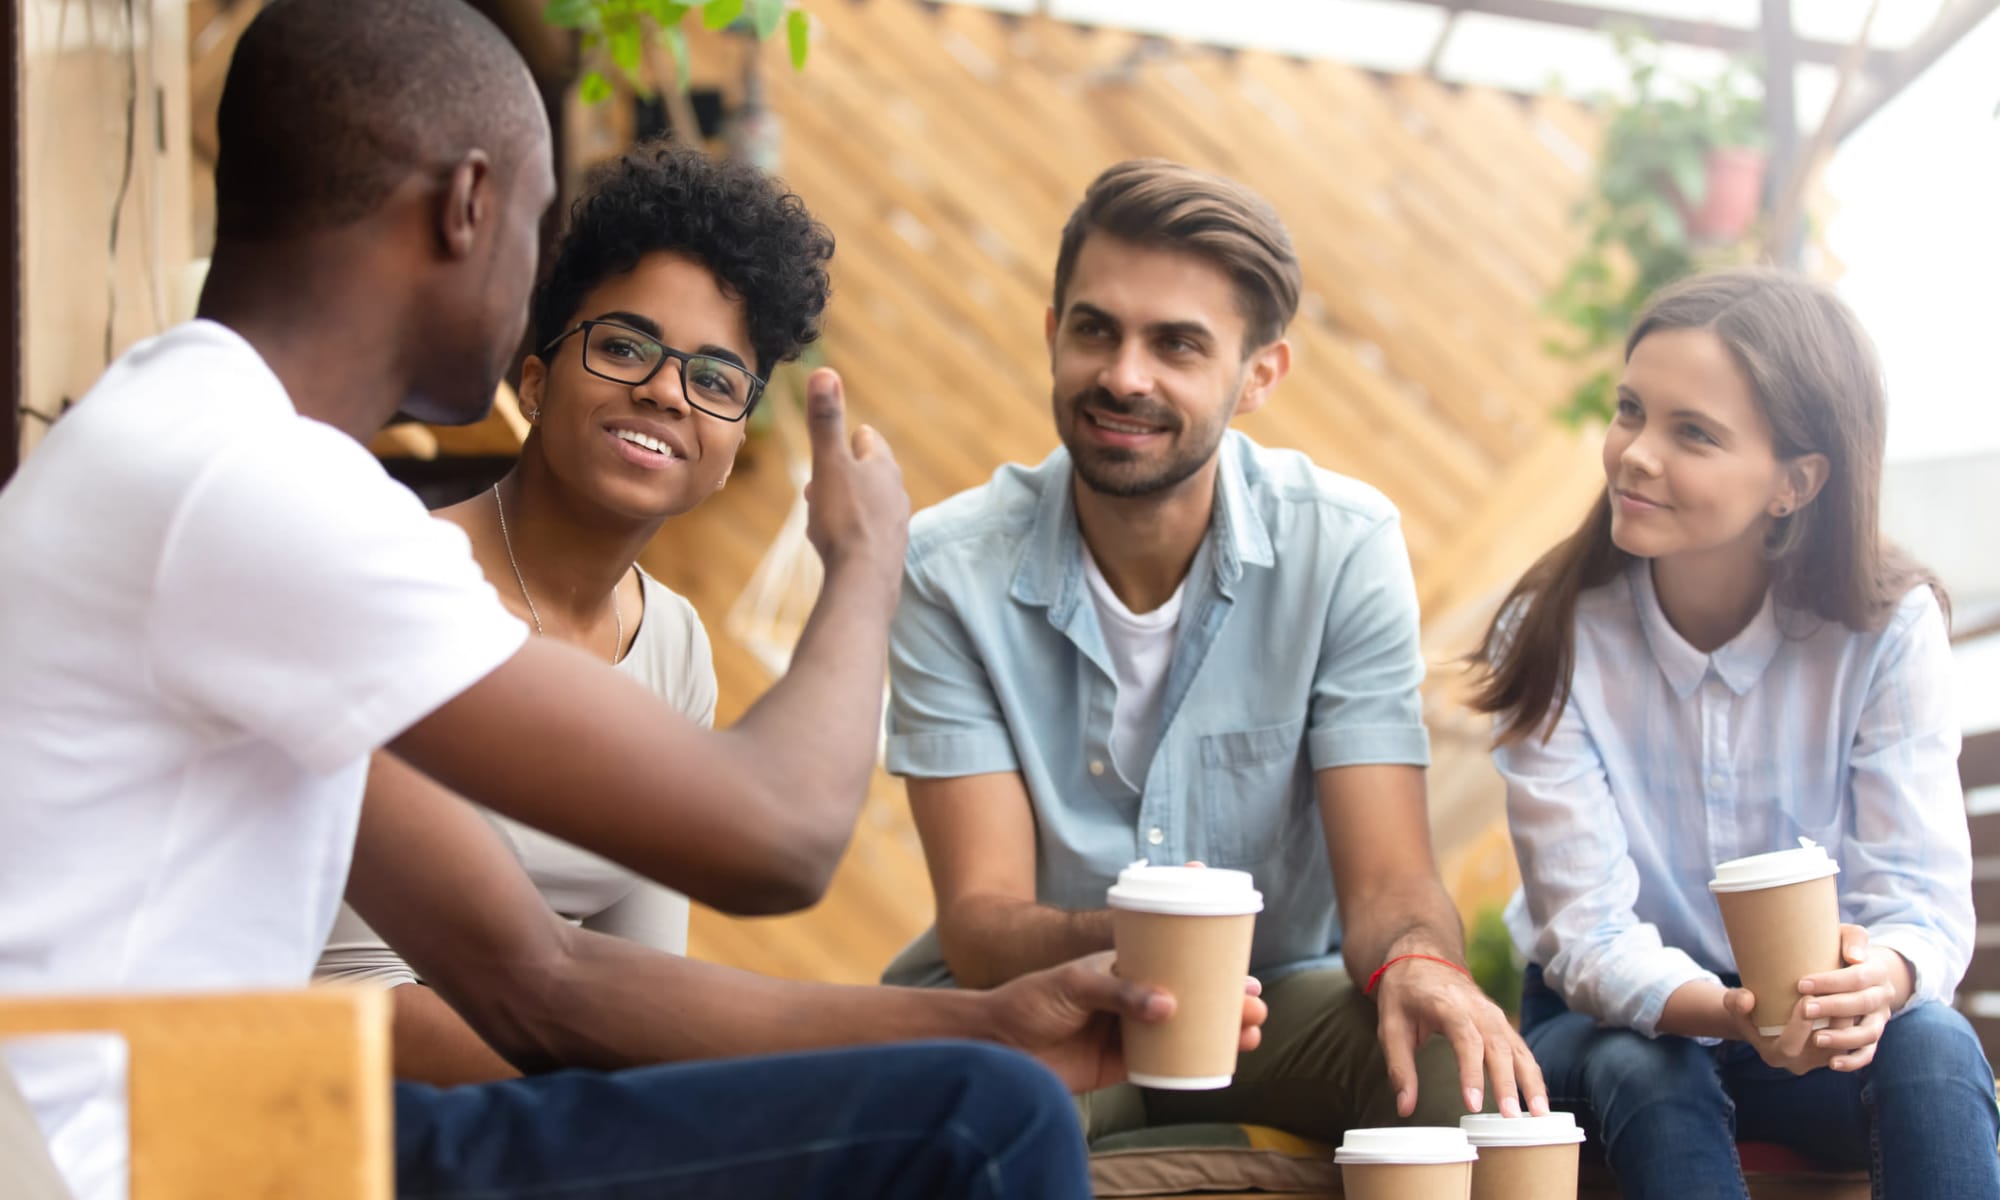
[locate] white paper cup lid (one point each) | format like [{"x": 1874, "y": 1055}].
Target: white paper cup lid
[
  {"x": 1490, "y": 1129},
  {"x": 1185, "y": 891},
  {"x": 1416, "y": 1145},
  {"x": 1780, "y": 867}
]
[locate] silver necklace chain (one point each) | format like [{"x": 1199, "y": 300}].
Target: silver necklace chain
[{"x": 508, "y": 542}]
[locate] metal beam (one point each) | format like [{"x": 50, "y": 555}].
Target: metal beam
[
  {"x": 1729, "y": 38},
  {"x": 1956, "y": 19},
  {"x": 1781, "y": 116}
]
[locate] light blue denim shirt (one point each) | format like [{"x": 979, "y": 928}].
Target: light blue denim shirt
[
  {"x": 1667, "y": 761},
  {"x": 1297, "y": 650}
]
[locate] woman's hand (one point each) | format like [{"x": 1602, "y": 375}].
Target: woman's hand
[{"x": 1856, "y": 1000}]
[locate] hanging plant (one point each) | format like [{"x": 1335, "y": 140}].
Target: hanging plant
[
  {"x": 615, "y": 33},
  {"x": 1679, "y": 187}
]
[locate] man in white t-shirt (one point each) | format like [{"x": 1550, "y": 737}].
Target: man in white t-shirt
[{"x": 214, "y": 606}]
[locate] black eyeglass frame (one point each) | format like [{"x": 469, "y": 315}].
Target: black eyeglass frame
[{"x": 681, "y": 357}]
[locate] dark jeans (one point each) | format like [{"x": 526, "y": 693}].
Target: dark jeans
[
  {"x": 921, "y": 1120},
  {"x": 1668, "y": 1111}
]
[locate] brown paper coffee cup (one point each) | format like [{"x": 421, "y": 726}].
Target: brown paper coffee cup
[
  {"x": 1187, "y": 930},
  {"x": 1523, "y": 1158},
  {"x": 1782, "y": 913},
  {"x": 1406, "y": 1163},
  {"x": 1407, "y": 1181}
]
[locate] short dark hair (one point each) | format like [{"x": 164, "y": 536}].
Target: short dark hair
[
  {"x": 1154, "y": 202},
  {"x": 330, "y": 104},
  {"x": 743, "y": 225}
]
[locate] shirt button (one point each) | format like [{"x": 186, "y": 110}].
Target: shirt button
[
  {"x": 1715, "y": 782},
  {"x": 1096, "y": 766},
  {"x": 1154, "y": 835}
]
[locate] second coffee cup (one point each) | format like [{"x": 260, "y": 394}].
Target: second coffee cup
[
  {"x": 1188, "y": 930},
  {"x": 1782, "y": 913},
  {"x": 1523, "y": 1158}
]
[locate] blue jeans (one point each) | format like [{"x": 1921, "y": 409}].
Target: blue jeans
[
  {"x": 1668, "y": 1111},
  {"x": 920, "y": 1120}
]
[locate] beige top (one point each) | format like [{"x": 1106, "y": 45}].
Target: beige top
[{"x": 670, "y": 656}]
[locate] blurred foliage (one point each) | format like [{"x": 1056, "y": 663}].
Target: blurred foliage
[
  {"x": 615, "y": 31},
  {"x": 1489, "y": 955},
  {"x": 1653, "y": 171}
]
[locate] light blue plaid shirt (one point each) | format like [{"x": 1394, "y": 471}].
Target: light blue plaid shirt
[
  {"x": 1667, "y": 761},
  {"x": 1297, "y": 650}
]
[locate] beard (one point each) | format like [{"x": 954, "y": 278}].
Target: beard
[{"x": 1126, "y": 473}]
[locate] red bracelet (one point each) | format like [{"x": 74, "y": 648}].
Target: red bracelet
[{"x": 1377, "y": 976}]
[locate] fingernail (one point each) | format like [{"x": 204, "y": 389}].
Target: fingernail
[
  {"x": 1812, "y": 1010},
  {"x": 1405, "y": 1103},
  {"x": 1822, "y": 1039},
  {"x": 1510, "y": 1107},
  {"x": 1806, "y": 986},
  {"x": 1156, "y": 1005},
  {"x": 1473, "y": 1098}
]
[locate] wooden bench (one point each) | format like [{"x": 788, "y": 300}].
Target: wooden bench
[{"x": 243, "y": 1094}]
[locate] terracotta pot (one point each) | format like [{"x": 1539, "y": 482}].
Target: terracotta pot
[{"x": 1734, "y": 193}]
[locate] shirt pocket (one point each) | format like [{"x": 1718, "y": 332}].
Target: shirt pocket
[{"x": 1250, "y": 781}]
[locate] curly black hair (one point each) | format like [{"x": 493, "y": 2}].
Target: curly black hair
[{"x": 758, "y": 239}]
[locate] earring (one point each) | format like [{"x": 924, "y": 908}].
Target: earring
[
  {"x": 532, "y": 414},
  {"x": 1784, "y": 510}
]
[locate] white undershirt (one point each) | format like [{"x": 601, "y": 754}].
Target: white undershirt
[{"x": 1141, "y": 646}]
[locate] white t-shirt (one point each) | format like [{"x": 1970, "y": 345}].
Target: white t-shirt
[
  {"x": 670, "y": 657},
  {"x": 211, "y": 611},
  {"x": 1141, "y": 646}
]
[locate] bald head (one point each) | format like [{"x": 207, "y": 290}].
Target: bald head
[{"x": 330, "y": 104}]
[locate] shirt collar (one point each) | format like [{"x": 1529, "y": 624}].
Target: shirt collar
[
  {"x": 1739, "y": 663},
  {"x": 1050, "y": 570}
]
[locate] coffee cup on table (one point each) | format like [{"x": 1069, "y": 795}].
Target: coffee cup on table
[
  {"x": 1415, "y": 1162},
  {"x": 1523, "y": 1158},
  {"x": 1782, "y": 913},
  {"x": 1187, "y": 930}
]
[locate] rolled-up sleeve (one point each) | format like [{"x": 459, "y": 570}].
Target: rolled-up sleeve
[
  {"x": 1366, "y": 707},
  {"x": 1907, "y": 862},
  {"x": 356, "y": 954},
  {"x": 1581, "y": 885},
  {"x": 944, "y": 719}
]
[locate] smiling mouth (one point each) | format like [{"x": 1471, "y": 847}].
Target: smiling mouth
[
  {"x": 1114, "y": 424},
  {"x": 1636, "y": 500},
  {"x": 644, "y": 442}
]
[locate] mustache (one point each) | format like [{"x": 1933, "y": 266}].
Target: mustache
[{"x": 1131, "y": 408}]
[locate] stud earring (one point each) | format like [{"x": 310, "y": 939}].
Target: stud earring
[{"x": 1784, "y": 510}]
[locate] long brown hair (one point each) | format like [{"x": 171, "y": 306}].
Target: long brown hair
[{"x": 1818, "y": 383}]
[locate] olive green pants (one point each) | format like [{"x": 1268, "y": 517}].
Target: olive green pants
[{"x": 1318, "y": 1073}]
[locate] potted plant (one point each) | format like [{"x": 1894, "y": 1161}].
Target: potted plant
[{"x": 1679, "y": 186}]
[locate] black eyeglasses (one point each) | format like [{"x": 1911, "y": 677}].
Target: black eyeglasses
[{"x": 716, "y": 386}]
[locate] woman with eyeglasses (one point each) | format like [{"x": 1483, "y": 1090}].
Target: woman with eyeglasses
[{"x": 680, "y": 282}]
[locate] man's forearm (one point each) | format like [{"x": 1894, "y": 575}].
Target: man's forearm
[
  {"x": 612, "y": 1004},
  {"x": 1416, "y": 919},
  {"x": 988, "y": 940}
]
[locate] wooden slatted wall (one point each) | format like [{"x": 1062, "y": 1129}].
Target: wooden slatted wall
[{"x": 946, "y": 145}]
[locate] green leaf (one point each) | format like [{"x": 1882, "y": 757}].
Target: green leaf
[
  {"x": 628, "y": 48},
  {"x": 721, "y": 14},
  {"x": 595, "y": 88},
  {"x": 666, "y": 13},
  {"x": 798, "y": 32},
  {"x": 677, "y": 44},
  {"x": 767, "y": 15},
  {"x": 568, "y": 14}
]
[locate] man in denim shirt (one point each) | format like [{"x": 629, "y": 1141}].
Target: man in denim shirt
[{"x": 1167, "y": 642}]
